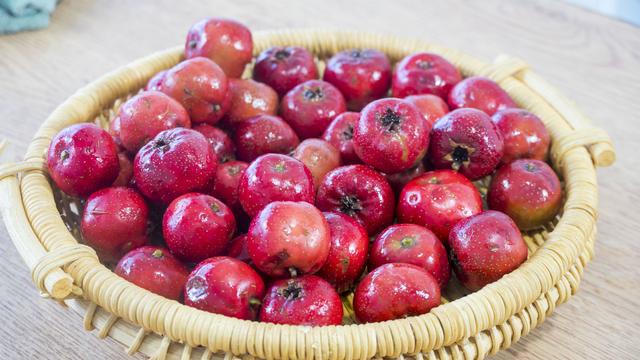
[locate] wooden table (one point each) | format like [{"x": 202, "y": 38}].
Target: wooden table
[{"x": 592, "y": 59}]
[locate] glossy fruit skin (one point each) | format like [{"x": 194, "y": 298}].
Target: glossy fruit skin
[
  {"x": 226, "y": 286},
  {"x": 264, "y": 134},
  {"x": 238, "y": 249},
  {"x": 348, "y": 252},
  {"x": 468, "y": 141},
  {"x": 480, "y": 93},
  {"x": 306, "y": 300},
  {"x": 311, "y": 106},
  {"x": 82, "y": 158},
  {"x": 155, "y": 83},
  {"x": 274, "y": 177},
  {"x": 126, "y": 171},
  {"x": 114, "y": 221},
  {"x": 360, "y": 192},
  {"x": 485, "y": 247},
  {"x": 145, "y": 115},
  {"x": 319, "y": 157},
  {"x": 340, "y": 134},
  {"x": 227, "y": 42},
  {"x": 197, "y": 226},
  {"x": 527, "y": 190},
  {"x": 175, "y": 162},
  {"x": 524, "y": 134},
  {"x": 424, "y": 73},
  {"x": 154, "y": 268},
  {"x": 431, "y": 106},
  {"x": 395, "y": 291},
  {"x": 250, "y": 98},
  {"x": 114, "y": 131},
  {"x": 201, "y": 87},
  {"x": 391, "y": 135},
  {"x": 437, "y": 200},
  {"x": 361, "y": 75},
  {"x": 283, "y": 68},
  {"x": 287, "y": 238},
  {"x": 226, "y": 183},
  {"x": 411, "y": 244},
  {"x": 221, "y": 143},
  {"x": 399, "y": 180}
]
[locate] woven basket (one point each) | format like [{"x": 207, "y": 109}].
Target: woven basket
[{"x": 42, "y": 224}]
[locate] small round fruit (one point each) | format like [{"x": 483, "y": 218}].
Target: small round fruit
[
  {"x": 274, "y": 177},
  {"x": 145, "y": 115},
  {"x": 201, "y": 87},
  {"x": 175, "y": 162},
  {"x": 288, "y": 238},
  {"x": 225, "y": 41},
  {"x": 348, "y": 252},
  {"x": 306, "y": 300},
  {"x": 437, "y": 200},
  {"x": 399, "y": 180},
  {"x": 524, "y": 134},
  {"x": 221, "y": 143},
  {"x": 283, "y": 68},
  {"x": 424, "y": 73},
  {"x": 226, "y": 183},
  {"x": 361, "y": 75},
  {"x": 411, "y": 244},
  {"x": 226, "y": 286},
  {"x": 480, "y": 93},
  {"x": 114, "y": 221},
  {"x": 395, "y": 291},
  {"x": 319, "y": 156},
  {"x": 238, "y": 249},
  {"x": 264, "y": 134},
  {"x": 311, "y": 106},
  {"x": 155, "y": 83},
  {"x": 340, "y": 135},
  {"x": 360, "y": 192},
  {"x": 466, "y": 140},
  {"x": 391, "y": 135},
  {"x": 197, "y": 226},
  {"x": 485, "y": 247},
  {"x": 529, "y": 191},
  {"x": 126, "y": 171},
  {"x": 153, "y": 268},
  {"x": 432, "y": 107},
  {"x": 250, "y": 98}
]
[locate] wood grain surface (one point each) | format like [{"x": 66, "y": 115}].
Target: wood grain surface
[{"x": 594, "y": 60}]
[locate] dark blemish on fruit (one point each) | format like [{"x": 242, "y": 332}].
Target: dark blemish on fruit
[
  {"x": 278, "y": 258},
  {"x": 157, "y": 253},
  {"x": 187, "y": 91},
  {"x": 407, "y": 242},
  {"x": 348, "y": 133},
  {"x": 282, "y": 54},
  {"x": 292, "y": 291},
  {"x": 344, "y": 263},
  {"x": 356, "y": 54},
  {"x": 161, "y": 144},
  {"x": 313, "y": 94},
  {"x": 391, "y": 120},
  {"x": 216, "y": 107},
  {"x": 460, "y": 156},
  {"x": 64, "y": 155},
  {"x": 424, "y": 65},
  {"x": 530, "y": 167},
  {"x": 350, "y": 205},
  {"x": 193, "y": 44}
]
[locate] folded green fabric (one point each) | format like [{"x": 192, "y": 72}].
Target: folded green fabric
[{"x": 20, "y": 15}]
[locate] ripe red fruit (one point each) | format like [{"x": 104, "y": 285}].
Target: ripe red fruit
[
  {"x": 360, "y": 192},
  {"x": 175, "y": 162},
  {"x": 82, "y": 158},
  {"x": 311, "y": 106},
  {"x": 283, "y": 68},
  {"x": 238, "y": 249},
  {"x": 221, "y": 143},
  {"x": 480, "y": 93},
  {"x": 155, "y": 83},
  {"x": 114, "y": 221},
  {"x": 264, "y": 134},
  {"x": 528, "y": 191},
  {"x": 319, "y": 157},
  {"x": 340, "y": 135},
  {"x": 145, "y": 115},
  {"x": 466, "y": 140},
  {"x": 432, "y": 107},
  {"x": 361, "y": 75},
  {"x": 399, "y": 180},
  {"x": 225, "y": 286},
  {"x": 411, "y": 244},
  {"x": 391, "y": 135},
  {"x": 225, "y": 41},
  {"x": 250, "y": 98},
  {"x": 274, "y": 177},
  {"x": 126, "y": 171},
  {"x": 485, "y": 247},
  {"x": 306, "y": 300},
  {"x": 226, "y": 184},
  {"x": 201, "y": 87},
  {"x": 288, "y": 237},
  {"x": 424, "y": 73},
  {"x": 395, "y": 291},
  {"x": 114, "y": 131},
  {"x": 348, "y": 252},
  {"x": 153, "y": 268},
  {"x": 524, "y": 134},
  {"x": 437, "y": 200}
]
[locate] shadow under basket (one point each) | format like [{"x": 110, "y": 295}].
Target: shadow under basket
[{"x": 43, "y": 227}]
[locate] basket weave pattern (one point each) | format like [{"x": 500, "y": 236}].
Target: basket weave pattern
[{"x": 469, "y": 327}]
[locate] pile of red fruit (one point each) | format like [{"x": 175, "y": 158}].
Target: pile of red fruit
[{"x": 257, "y": 224}]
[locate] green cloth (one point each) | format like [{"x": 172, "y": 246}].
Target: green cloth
[{"x": 20, "y": 15}]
